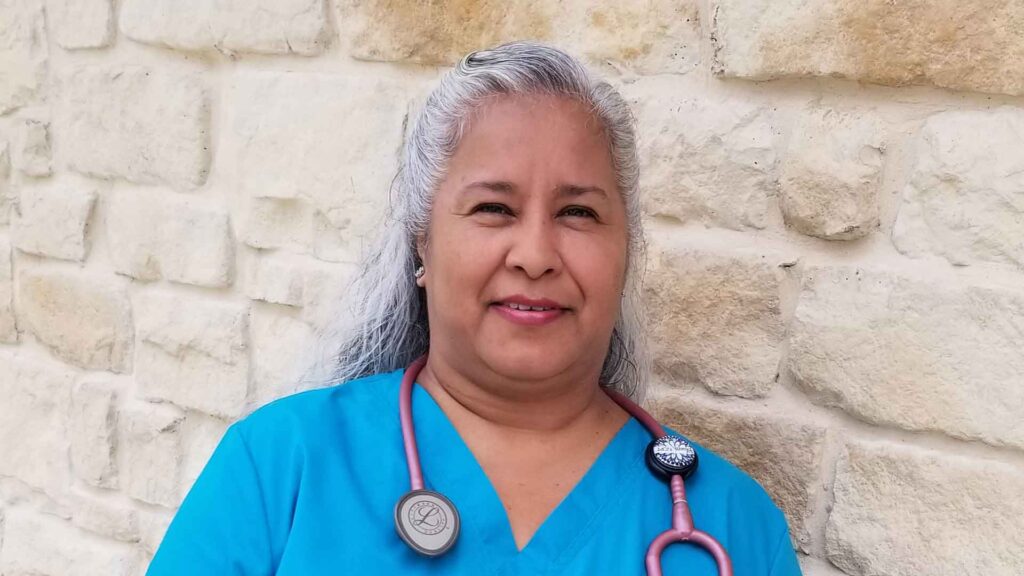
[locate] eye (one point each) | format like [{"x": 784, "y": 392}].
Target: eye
[
  {"x": 580, "y": 211},
  {"x": 492, "y": 209}
]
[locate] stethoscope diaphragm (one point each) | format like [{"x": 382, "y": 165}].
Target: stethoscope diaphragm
[{"x": 427, "y": 521}]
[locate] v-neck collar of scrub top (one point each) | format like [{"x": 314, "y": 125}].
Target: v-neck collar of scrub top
[{"x": 451, "y": 468}]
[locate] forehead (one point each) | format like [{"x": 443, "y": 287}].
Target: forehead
[{"x": 540, "y": 136}]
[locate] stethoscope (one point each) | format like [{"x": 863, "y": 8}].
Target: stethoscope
[{"x": 429, "y": 523}]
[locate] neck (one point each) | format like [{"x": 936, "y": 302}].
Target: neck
[{"x": 566, "y": 401}]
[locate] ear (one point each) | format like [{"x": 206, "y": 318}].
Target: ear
[{"x": 421, "y": 252}]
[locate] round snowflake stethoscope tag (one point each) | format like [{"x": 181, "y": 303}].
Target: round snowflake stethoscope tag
[
  {"x": 670, "y": 456},
  {"x": 427, "y": 521}
]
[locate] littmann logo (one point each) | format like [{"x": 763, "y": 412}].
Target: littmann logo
[{"x": 427, "y": 518}]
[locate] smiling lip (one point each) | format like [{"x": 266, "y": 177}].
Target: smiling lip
[{"x": 529, "y": 317}]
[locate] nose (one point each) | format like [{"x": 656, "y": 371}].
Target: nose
[{"x": 534, "y": 247}]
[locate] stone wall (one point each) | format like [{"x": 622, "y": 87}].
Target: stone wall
[{"x": 834, "y": 193}]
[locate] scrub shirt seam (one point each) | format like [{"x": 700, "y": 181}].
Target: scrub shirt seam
[
  {"x": 259, "y": 488},
  {"x": 783, "y": 540},
  {"x": 596, "y": 517}
]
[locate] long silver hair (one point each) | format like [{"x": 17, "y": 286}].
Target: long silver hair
[{"x": 381, "y": 323}]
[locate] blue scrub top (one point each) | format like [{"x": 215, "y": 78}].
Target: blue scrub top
[{"x": 307, "y": 485}]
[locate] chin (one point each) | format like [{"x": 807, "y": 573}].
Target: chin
[{"x": 527, "y": 363}]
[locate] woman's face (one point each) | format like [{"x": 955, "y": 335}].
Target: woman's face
[{"x": 529, "y": 211}]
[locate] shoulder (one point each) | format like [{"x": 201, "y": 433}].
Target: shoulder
[{"x": 311, "y": 413}]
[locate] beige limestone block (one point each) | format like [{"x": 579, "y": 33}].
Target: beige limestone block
[
  {"x": 779, "y": 451},
  {"x": 81, "y": 23},
  {"x": 8, "y": 327},
  {"x": 38, "y": 544},
  {"x": 324, "y": 290},
  {"x": 153, "y": 525},
  {"x": 916, "y": 354},
  {"x": 260, "y": 26},
  {"x": 331, "y": 141},
  {"x": 811, "y": 566},
  {"x": 93, "y": 424},
  {"x": 84, "y": 318},
  {"x": 53, "y": 218},
  {"x": 831, "y": 175},
  {"x": 23, "y": 54},
  {"x": 193, "y": 352},
  {"x": 158, "y": 234},
  {"x": 153, "y": 454},
  {"x": 903, "y": 511},
  {"x": 6, "y": 192},
  {"x": 712, "y": 160},
  {"x": 107, "y": 514},
  {"x": 974, "y": 46},
  {"x": 279, "y": 223},
  {"x": 276, "y": 278},
  {"x": 33, "y": 422},
  {"x": 142, "y": 124},
  {"x": 964, "y": 199},
  {"x": 649, "y": 36},
  {"x": 33, "y": 150},
  {"x": 279, "y": 343},
  {"x": 716, "y": 318},
  {"x": 200, "y": 434}
]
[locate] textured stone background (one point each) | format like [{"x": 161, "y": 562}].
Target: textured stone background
[{"x": 835, "y": 200}]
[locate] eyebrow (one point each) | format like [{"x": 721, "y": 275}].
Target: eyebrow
[{"x": 571, "y": 190}]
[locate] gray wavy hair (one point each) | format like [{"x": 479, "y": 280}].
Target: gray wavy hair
[{"x": 381, "y": 324}]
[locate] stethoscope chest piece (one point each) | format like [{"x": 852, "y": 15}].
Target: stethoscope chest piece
[
  {"x": 670, "y": 456},
  {"x": 427, "y": 521}
]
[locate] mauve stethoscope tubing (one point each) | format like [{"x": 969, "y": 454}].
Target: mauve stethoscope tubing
[{"x": 682, "y": 521}]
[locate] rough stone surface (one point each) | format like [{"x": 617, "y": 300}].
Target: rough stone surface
[
  {"x": 8, "y": 327},
  {"x": 198, "y": 360},
  {"x": 200, "y": 435},
  {"x": 37, "y": 544},
  {"x": 151, "y": 440},
  {"x": 275, "y": 279},
  {"x": 153, "y": 525},
  {"x": 719, "y": 319},
  {"x": 895, "y": 505},
  {"x": 144, "y": 125},
  {"x": 23, "y": 52},
  {"x": 262, "y": 26},
  {"x": 811, "y": 566},
  {"x": 94, "y": 434},
  {"x": 33, "y": 422},
  {"x": 920, "y": 355},
  {"x": 33, "y": 151},
  {"x": 962, "y": 45},
  {"x": 965, "y": 197},
  {"x": 657, "y": 36},
  {"x": 330, "y": 140},
  {"x": 323, "y": 289},
  {"x": 279, "y": 343},
  {"x": 160, "y": 234},
  {"x": 106, "y": 515},
  {"x": 279, "y": 223},
  {"x": 54, "y": 218},
  {"x": 83, "y": 317},
  {"x": 81, "y": 23},
  {"x": 6, "y": 194},
  {"x": 830, "y": 177},
  {"x": 712, "y": 160},
  {"x": 779, "y": 451}
]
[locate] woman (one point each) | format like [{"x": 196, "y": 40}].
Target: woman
[{"x": 511, "y": 255}]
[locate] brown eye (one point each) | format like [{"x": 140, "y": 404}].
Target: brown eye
[
  {"x": 492, "y": 209},
  {"x": 579, "y": 211}
]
